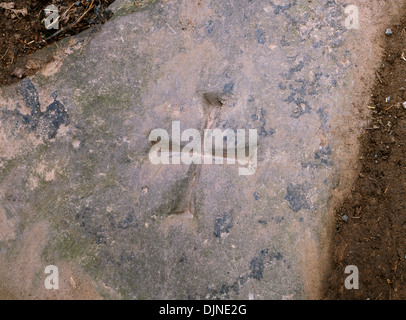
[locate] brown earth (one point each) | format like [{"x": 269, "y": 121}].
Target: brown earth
[
  {"x": 370, "y": 230},
  {"x": 22, "y": 30}
]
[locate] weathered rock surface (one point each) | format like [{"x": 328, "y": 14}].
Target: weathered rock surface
[{"x": 77, "y": 189}]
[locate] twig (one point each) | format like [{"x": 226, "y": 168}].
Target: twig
[
  {"x": 72, "y": 24},
  {"x": 64, "y": 14},
  {"x": 379, "y": 77},
  {"x": 389, "y": 108},
  {"x": 363, "y": 134},
  {"x": 18, "y": 20},
  {"x": 4, "y": 54}
]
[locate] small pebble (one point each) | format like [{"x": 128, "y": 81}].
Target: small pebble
[
  {"x": 404, "y": 105},
  {"x": 345, "y": 218},
  {"x": 388, "y": 32},
  {"x": 18, "y": 72}
]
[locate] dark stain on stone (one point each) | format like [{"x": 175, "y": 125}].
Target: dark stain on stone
[
  {"x": 210, "y": 26},
  {"x": 297, "y": 68},
  {"x": 55, "y": 116},
  {"x": 321, "y": 158},
  {"x": 257, "y": 266},
  {"x": 323, "y": 155},
  {"x": 224, "y": 291},
  {"x": 223, "y": 225},
  {"x": 277, "y": 256},
  {"x": 284, "y": 42},
  {"x": 282, "y": 86},
  {"x": 45, "y": 124},
  {"x": 85, "y": 218},
  {"x": 297, "y": 196},
  {"x": 278, "y": 219},
  {"x": 129, "y": 221},
  {"x": 183, "y": 258},
  {"x": 127, "y": 257},
  {"x": 323, "y": 118},
  {"x": 318, "y": 44},
  {"x": 264, "y": 132},
  {"x": 277, "y": 9},
  {"x": 30, "y": 96},
  {"x": 260, "y": 35},
  {"x": 338, "y": 43},
  {"x": 228, "y": 88}
]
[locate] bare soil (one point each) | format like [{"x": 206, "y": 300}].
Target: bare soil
[
  {"x": 370, "y": 230},
  {"x": 22, "y": 30}
]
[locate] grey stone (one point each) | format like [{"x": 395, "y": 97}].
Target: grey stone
[
  {"x": 75, "y": 163},
  {"x": 223, "y": 225}
]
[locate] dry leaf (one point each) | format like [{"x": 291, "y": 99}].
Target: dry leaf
[
  {"x": 72, "y": 282},
  {"x": 10, "y": 6},
  {"x": 24, "y": 11},
  {"x": 7, "y": 5}
]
